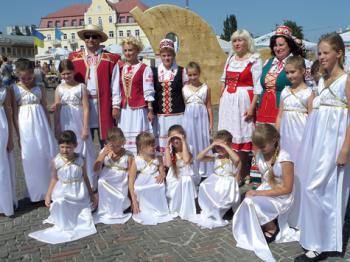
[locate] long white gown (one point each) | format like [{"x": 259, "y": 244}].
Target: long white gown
[
  {"x": 327, "y": 187},
  {"x": 217, "y": 194},
  {"x": 113, "y": 191},
  {"x": 292, "y": 127},
  {"x": 259, "y": 210},
  {"x": 72, "y": 118},
  {"x": 70, "y": 211},
  {"x": 38, "y": 144},
  {"x": 6, "y": 189},
  {"x": 181, "y": 190},
  {"x": 196, "y": 125},
  {"x": 150, "y": 195}
]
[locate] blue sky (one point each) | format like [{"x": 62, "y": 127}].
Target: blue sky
[{"x": 316, "y": 16}]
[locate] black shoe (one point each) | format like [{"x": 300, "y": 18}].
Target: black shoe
[{"x": 305, "y": 258}]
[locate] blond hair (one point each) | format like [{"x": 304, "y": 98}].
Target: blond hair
[
  {"x": 130, "y": 40},
  {"x": 337, "y": 44},
  {"x": 244, "y": 34},
  {"x": 115, "y": 134},
  {"x": 144, "y": 139}
]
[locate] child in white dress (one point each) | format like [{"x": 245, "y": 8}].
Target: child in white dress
[
  {"x": 36, "y": 139},
  {"x": 113, "y": 164},
  {"x": 253, "y": 224},
  {"x": 72, "y": 113},
  {"x": 68, "y": 196},
  {"x": 198, "y": 116},
  {"x": 181, "y": 179},
  {"x": 220, "y": 191},
  {"x": 146, "y": 183},
  {"x": 6, "y": 145}
]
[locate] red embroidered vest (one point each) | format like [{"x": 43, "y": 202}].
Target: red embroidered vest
[{"x": 241, "y": 79}]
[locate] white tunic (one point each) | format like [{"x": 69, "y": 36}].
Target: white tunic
[
  {"x": 259, "y": 210},
  {"x": 70, "y": 211},
  {"x": 72, "y": 118},
  {"x": 327, "y": 187},
  {"x": 150, "y": 195},
  {"x": 134, "y": 120},
  {"x": 113, "y": 191},
  {"x": 196, "y": 125},
  {"x": 6, "y": 190},
  {"x": 217, "y": 194},
  {"x": 181, "y": 190},
  {"x": 38, "y": 144}
]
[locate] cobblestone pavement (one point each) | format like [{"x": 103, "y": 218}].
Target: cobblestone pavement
[{"x": 173, "y": 241}]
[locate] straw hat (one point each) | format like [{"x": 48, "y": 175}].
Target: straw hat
[{"x": 93, "y": 29}]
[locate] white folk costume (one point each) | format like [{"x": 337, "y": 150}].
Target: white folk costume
[
  {"x": 6, "y": 190},
  {"x": 113, "y": 191},
  {"x": 150, "y": 195},
  {"x": 242, "y": 82},
  {"x": 181, "y": 190},
  {"x": 136, "y": 89},
  {"x": 196, "y": 125},
  {"x": 259, "y": 210},
  {"x": 38, "y": 145},
  {"x": 327, "y": 187},
  {"x": 292, "y": 127},
  {"x": 72, "y": 118},
  {"x": 70, "y": 211},
  {"x": 217, "y": 194}
]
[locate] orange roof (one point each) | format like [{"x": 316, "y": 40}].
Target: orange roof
[
  {"x": 72, "y": 10},
  {"x": 127, "y": 5}
]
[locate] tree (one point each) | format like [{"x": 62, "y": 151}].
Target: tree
[
  {"x": 230, "y": 26},
  {"x": 297, "y": 30}
]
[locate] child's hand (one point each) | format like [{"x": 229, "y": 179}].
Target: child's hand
[
  {"x": 47, "y": 200},
  {"x": 248, "y": 114},
  {"x": 251, "y": 193},
  {"x": 116, "y": 113},
  {"x": 85, "y": 133},
  {"x": 342, "y": 159},
  {"x": 150, "y": 116},
  {"x": 160, "y": 179},
  {"x": 94, "y": 202},
  {"x": 135, "y": 207},
  {"x": 53, "y": 107}
]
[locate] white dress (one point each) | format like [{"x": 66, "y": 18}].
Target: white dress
[
  {"x": 217, "y": 194},
  {"x": 70, "y": 211},
  {"x": 233, "y": 105},
  {"x": 6, "y": 190},
  {"x": 150, "y": 195},
  {"x": 113, "y": 191},
  {"x": 259, "y": 210},
  {"x": 196, "y": 125},
  {"x": 38, "y": 144},
  {"x": 134, "y": 120},
  {"x": 72, "y": 118},
  {"x": 327, "y": 186},
  {"x": 181, "y": 190}
]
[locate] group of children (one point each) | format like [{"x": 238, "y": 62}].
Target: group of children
[{"x": 302, "y": 160}]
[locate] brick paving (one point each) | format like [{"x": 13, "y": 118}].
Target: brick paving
[{"x": 177, "y": 240}]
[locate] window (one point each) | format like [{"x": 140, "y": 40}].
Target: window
[
  {"x": 73, "y": 36},
  {"x": 58, "y": 24},
  {"x": 90, "y": 21},
  {"x": 111, "y": 34},
  {"x": 137, "y": 32},
  {"x": 110, "y": 19},
  {"x": 74, "y": 22},
  {"x": 65, "y": 47},
  {"x": 48, "y": 37},
  {"x": 100, "y": 21},
  {"x": 3, "y": 50},
  {"x": 121, "y": 19},
  {"x": 8, "y": 50},
  {"x": 14, "y": 51},
  {"x": 65, "y": 36},
  {"x": 128, "y": 33},
  {"x": 49, "y": 24},
  {"x": 81, "y": 22},
  {"x": 121, "y": 33},
  {"x": 65, "y": 23},
  {"x": 130, "y": 19}
]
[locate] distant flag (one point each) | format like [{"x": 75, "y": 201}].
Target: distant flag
[
  {"x": 58, "y": 34},
  {"x": 38, "y": 38}
]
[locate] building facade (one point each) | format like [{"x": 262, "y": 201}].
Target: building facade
[
  {"x": 114, "y": 18},
  {"x": 14, "y": 47}
]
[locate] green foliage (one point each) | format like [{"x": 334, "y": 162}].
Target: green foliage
[
  {"x": 296, "y": 29},
  {"x": 230, "y": 26}
]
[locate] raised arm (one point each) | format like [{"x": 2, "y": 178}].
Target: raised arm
[{"x": 203, "y": 155}]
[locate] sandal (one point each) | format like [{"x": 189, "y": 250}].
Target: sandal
[{"x": 311, "y": 256}]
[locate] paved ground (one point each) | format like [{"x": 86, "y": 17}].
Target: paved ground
[{"x": 174, "y": 241}]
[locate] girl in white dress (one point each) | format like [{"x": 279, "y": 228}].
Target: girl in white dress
[
  {"x": 198, "y": 116},
  {"x": 6, "y": 145},
  {"x": 72, "y": 113},
  {"x": 136, "y": 94},
  {"x": 327, "y": 187},
  {"x": 146, "y": 183},
  {"x": 253, "y": 224},
  {"x": 181, "y": 179},
  {"x": 36, "y": 139},
  {"x": 219, "y": 192},
  {"x": 113, "y": 165},
  {"x": 68, "y": 196},
  {"x": 295, "y": 104}
]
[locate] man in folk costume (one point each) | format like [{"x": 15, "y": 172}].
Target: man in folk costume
[{"x": 99, "y": 70}]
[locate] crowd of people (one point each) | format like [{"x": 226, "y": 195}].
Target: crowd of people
[{"x": 154, "y": 127}]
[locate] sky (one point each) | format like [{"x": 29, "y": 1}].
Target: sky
[{"x": 259, "y": 17}]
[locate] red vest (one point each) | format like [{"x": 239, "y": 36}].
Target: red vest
[
  {"x": 234, "y": 79},
  {"x": 135, "y": 97},
  {"x": 104, "y": 81}
]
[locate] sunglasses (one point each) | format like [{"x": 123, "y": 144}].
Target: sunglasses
[{"x": 91, "y": 36}]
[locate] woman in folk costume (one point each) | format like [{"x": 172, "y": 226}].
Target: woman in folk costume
[
  {"x": 169, "y": 105},
  {"x": 99, "y": 70},
  {"x": 327, "y": 186},
  {"x": 136, "y": 94},
  {"x": 239, "y": 95},
  {"x": 254, "y": 223}
]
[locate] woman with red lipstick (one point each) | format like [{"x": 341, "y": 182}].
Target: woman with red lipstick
[{"x": 239, "y": 95}]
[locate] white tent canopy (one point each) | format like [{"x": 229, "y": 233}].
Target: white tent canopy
[{"x": 346, "y": 36}]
